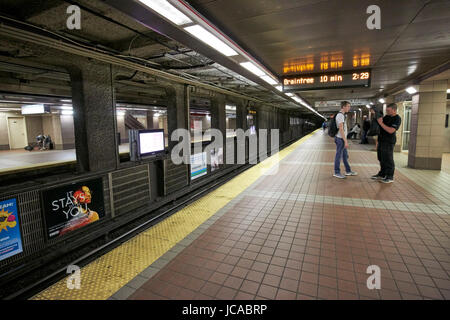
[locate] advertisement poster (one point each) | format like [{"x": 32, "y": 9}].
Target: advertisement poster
[
  {"x": 198, "y": 165},
  {"x": 216, "y": 158},
  {"x": 73, "y": 206},
  {"x": 10, "y": 236}
]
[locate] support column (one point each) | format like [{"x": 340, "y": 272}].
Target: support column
[
  {"x": 94, "y": 116},
  {"x": 152, "y": 122},
  {"x": 177, "y": 110},
  {"x": 427, "y": 125},
  {"x": 401, "y": 113},
  {"x": 241, "y": 115},
  {"x": 218, "y": 116}
]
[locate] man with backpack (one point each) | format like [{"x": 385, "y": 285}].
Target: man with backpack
[{"x": 338, "y": 130}]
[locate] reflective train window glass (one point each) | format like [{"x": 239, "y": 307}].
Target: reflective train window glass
[
  {"x": 230, "y": 112},
  {"x": 138, "y": 117},
  {"x": 199, "y": 118},
  {"x": 36, "y": 132}
]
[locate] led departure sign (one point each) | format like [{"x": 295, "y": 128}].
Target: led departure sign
[{"x": 329, "y": 80}]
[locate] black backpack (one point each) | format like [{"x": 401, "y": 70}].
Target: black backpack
[{"x": 332, "y": 127}]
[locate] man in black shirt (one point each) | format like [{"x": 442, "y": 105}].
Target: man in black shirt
[{"x": 389, "y": 125}]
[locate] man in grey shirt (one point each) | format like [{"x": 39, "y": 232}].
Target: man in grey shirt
[{"x": 341, "y": 143}]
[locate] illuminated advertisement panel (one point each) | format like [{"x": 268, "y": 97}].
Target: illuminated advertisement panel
[
  {"x": 10, "y": 236},
  {"x": 73, "y": 206}
]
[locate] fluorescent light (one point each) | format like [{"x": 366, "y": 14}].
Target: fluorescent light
[
  {"x": 411, "y": 90},
  {"x": 67, "y": 112},
  {"x": 207, "y": 37},
  {"x": 448, "y": 90},
  {"x": 279, "y": 88},
  {"x": 66, "y": 108},
  {"x": 33, "y": 109},
  {"x": 359, "y": 109},
  {"x": 290, "y": 94},
  {"x": 156, "y": 115},
  {"x": 367, "y": 106},
  {"x": 168, "y": 11},
  {"x": 381, "y": 100},
  {"x": 253, "y": 69},
  {"x": 65, "y": 100},
  {"x": 269, "y": 80},
  {"x": 120, "y": 112}
]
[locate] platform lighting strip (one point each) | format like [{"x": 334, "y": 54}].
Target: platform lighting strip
[
  {"x": 182, "y": 14},
  {"x": 168, "y": 11},
  {"x": 207, "y": 37}
]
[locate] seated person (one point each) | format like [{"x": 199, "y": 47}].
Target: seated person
[{"x": 354, "y": 132}]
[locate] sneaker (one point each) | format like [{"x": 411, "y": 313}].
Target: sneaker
[
  {"x": 351, "y": 173},
  {"x": 387, "y": 180},
  {"x": 377, "y": 177},
  {"x": 338, "y": 175}
]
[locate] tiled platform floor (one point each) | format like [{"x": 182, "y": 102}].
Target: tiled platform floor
[{"x": 302, "y": 234}]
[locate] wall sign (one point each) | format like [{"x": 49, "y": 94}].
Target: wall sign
[
  {"x": 198, "y": 165},
  {"x": 73, "y": 206},
  {"x": 329, "y": 80},
  {"x": 10, "y": 236}
]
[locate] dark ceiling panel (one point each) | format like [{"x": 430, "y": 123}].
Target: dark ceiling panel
[{"x": 414, "y": 35}]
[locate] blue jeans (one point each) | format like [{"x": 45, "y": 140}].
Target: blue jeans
[
  {"x": 364, "y": 137},
  {"x": 341, "y": 152}
]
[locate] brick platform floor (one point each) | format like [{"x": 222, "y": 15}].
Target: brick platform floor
[{"x": 302, "y": 234}]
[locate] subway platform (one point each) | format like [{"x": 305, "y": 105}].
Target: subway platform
[{"x": 295, "y": 234}]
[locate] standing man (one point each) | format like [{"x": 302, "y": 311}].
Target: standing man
[
  {"x": 389, "y": 125},
  {"x": 341, "y": 143},
  {"x": 365, "y": 129}
]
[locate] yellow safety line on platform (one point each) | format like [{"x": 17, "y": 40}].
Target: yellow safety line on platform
[{"x": 103, "y": 277}]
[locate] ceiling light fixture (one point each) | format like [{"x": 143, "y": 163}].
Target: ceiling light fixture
[
  {"x": 67, "y": 112},
  {"x": 411, "y": 90},
  {"x": 381, "y": 100},
  {"x": 167, "y": 10},
  {"x": 252, "y": 68},
  {"x": 279, "y": 88},
  {"x": 207, "y": 37},
  {"x": 269, "y": 80}
]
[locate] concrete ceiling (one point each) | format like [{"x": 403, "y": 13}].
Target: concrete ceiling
[
  {"x": 109, "y": 29},
  {"x": 414, "y": 36}
]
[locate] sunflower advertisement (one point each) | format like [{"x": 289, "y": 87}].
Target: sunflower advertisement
[
  {"x": 10, "y": 236},
  {"x": 72, "y": 207}
]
